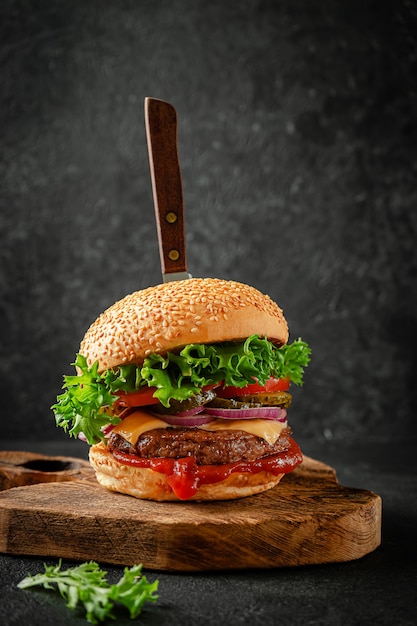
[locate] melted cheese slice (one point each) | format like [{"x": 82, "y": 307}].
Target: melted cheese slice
[
  {"x": 266, "y": 429},
  {"x": 139, "y": 422}
]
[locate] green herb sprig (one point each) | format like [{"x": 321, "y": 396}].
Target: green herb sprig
[{"x": 86, "y": 585}]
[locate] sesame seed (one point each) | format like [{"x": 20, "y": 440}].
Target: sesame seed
[{"x": 161, "y": 317}]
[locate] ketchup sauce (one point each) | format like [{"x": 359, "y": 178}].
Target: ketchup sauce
[{"x": 185, "y": 477}]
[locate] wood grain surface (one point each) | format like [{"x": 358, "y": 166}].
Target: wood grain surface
[{"x": 53, "y": 506}]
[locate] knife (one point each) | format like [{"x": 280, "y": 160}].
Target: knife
[{"x": 162, "y": 139}]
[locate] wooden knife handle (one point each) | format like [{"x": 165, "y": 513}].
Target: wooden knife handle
[{"x": 162, "y": 137}]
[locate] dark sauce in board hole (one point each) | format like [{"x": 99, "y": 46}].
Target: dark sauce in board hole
[{"x": 53, "y": 466}]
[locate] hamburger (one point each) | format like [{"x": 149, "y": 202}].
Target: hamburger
[{"x": 182, "y": 391}]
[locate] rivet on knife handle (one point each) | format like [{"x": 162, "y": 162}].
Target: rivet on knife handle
[{"x": 162, "y": 138}]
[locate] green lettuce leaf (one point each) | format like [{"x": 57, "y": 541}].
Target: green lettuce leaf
[{"x": 85, "y": 405}]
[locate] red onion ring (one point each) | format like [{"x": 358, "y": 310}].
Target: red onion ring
[
  {"x": 263, "y": 412},
  {"x": 191, "y": 420},
  {"x": 107, "y": 429}
]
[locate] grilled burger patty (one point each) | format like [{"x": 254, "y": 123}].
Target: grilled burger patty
[{"x": 208, "y": 448}]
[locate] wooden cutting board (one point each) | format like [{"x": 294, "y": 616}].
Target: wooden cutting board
[{"x": 52, "y": 506}]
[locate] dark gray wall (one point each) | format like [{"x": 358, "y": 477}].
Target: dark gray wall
[{"x": 298, "y": 148}]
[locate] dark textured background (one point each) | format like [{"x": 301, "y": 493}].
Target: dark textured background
[{"x": 297, "y": 137}]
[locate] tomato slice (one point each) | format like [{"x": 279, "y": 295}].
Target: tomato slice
[
  {"x": 142, "y": 397},
  {"x": 271, "y": 385}
]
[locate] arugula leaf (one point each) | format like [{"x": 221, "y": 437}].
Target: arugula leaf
[
  {"x": 85, "y": 406},
  {"x": 86, "y": 584}
]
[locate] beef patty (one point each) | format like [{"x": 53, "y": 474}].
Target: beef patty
[{"x": 208, "y": 448}]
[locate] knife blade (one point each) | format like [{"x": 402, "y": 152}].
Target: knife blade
[{"x": 162, "y": 139}]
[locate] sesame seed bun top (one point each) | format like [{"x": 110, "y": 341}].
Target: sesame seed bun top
[{"x": 171, "y": 315}]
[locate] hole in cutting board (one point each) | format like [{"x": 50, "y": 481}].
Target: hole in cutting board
[{"x": 44, "y": 465}]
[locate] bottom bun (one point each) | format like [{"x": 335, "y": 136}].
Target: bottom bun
[{"x": 147, "y": 484}]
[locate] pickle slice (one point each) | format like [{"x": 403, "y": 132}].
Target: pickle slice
[
  {"x": 232, "y": 403},
  {"x": 177, "y": 406},
  {"x": 277, "y": 398}
]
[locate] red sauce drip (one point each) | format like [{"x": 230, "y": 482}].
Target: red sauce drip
[{"x": 185, "y": 477}]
